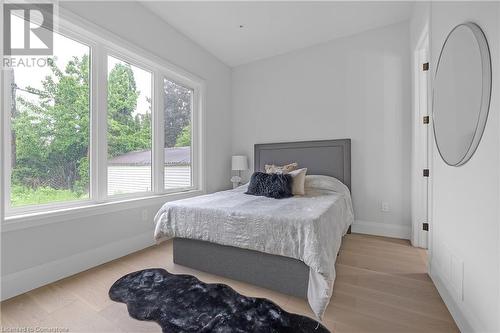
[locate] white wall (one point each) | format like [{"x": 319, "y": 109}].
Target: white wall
[
  {"x": 68, "y": 243},
  {"x": 465, "y": 200},
  {"x": 356, "y": 87}
]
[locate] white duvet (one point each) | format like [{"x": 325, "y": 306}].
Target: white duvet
[{"x": 308, "y": 228}]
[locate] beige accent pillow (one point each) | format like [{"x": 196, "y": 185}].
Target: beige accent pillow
[
  {"x": 271, "y": 168},
  {"x": 298, "y": 181}
]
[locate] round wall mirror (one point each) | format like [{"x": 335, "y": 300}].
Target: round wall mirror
[{"x": 461, "y": 94}]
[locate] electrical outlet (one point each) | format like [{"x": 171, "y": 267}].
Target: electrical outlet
[
  {"x": 144, "y": 215},
  {"x": 385, "y": 207}
]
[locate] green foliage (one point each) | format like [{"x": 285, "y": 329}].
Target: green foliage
[
  {"x": 177, "y": 101},
  {"x": 184, "y": 139},
  {"x": 22, "y": 196},
  {"x": 131, "y": 136},
  {"x": 122, "y": 93},
  {"x": 52, "y": 134},
  {"x": 126, "y": 133},
  {"x": 81, "y": 185}
]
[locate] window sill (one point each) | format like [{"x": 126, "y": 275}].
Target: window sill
[{"x": 35, "y": 219}]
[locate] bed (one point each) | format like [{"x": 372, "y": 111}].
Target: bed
[{"x": 287, "y": 245}]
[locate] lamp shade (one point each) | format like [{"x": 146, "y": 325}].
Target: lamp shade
[{"x": 239, "y": 162}]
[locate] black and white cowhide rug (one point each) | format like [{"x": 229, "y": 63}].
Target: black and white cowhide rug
[{"x": 182, "y": 303}]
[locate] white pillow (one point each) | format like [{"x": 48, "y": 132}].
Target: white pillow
[
  {"x": 326, "y": 183},
  {"x": 298, "y": 181}
]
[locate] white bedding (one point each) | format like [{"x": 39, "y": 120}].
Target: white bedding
[{"x": 308, "y": 228}]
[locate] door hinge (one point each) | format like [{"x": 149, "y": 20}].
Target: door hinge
[
  {"x": 426, "y": 120},
  {"x": 425, "y": 66},
  {"x": 426, "y": 172},
  {"x": 425, "y": 226}
]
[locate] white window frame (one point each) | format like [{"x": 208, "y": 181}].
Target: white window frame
[
  {"x": 103, "y": 43},
  {"x": 194, "y": 138},
  {"x": 9, "y": 210},
  {"x": 109, "y": 52}
]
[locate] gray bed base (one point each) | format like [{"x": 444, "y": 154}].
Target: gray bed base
[
  {"x": 286, "y": 275},
  {"x": 283, "y": 274}
]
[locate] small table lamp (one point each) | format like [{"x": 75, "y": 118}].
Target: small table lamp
[{"x": 238, "y": 163}]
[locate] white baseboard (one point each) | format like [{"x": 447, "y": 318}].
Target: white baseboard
[
  {"x": 34, "y": 277},
  {"x": 466, "y": 323},
  {"x": 381, "y": 229}
]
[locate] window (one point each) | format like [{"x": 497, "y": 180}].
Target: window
[
  {"x": 177, "y": 104},
  {"x": 105, "y": 121},
  {"x": 129, "y": 128},
  {"x": 49, "y": 127}
]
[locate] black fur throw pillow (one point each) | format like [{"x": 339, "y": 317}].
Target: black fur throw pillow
[{"x": 275, "y": 186}]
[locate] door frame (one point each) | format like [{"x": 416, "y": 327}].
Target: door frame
[{"x": 421, "y": 142}]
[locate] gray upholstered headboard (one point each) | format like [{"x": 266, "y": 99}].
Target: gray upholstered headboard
[{"x": 325, "y": 157}]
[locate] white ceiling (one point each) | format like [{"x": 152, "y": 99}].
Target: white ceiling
[{"x": 272, "y": 28}]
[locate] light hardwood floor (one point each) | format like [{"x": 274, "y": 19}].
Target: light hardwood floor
[{"x": 381, "y": 286}]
